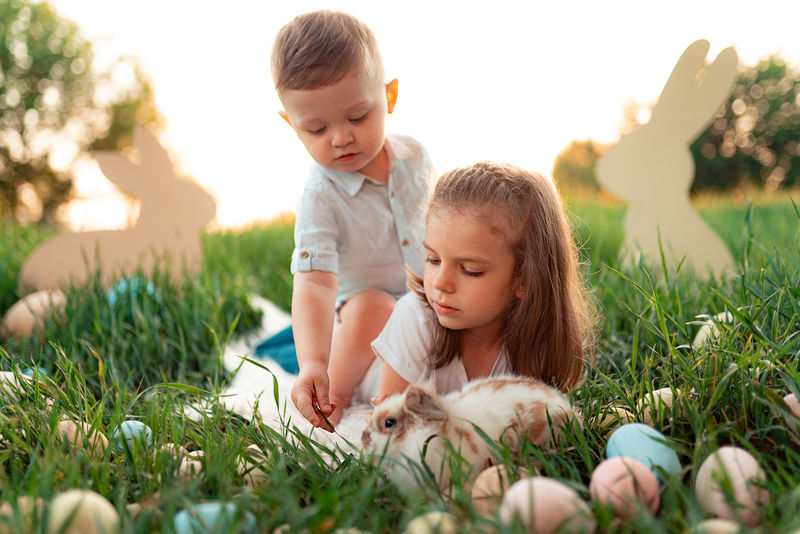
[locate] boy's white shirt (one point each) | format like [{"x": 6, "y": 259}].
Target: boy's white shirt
[{"x": 363, "y": 231}]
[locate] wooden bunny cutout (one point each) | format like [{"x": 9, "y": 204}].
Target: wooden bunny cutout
[
  {"x": 173, "y": 215},
  {"x": 652, "y": 167}
]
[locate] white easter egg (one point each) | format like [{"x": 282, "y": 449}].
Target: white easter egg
[
  {"x": 656, "y": 405},
  {"x": 30, "y": 313},
  {"x": 545, "y": 505},
  {"x": 213, "y": 516},
  {"x": 12, "y": 386},
  {"x": 794, "y": 406},
  {"x": 625, "y": 484},
  {"x": 716, "y": 526},
  {"x": 81, "y": 434},
  {"x": 251, "y": 466},
  {"x": 135, "y": 433},
  {"x": 433, "y": 522},
  {"x": 489, "y": 487},
  {"x": 611, "y": 417},
  {"x": 744, "y": 477},
  {"x": 79, "y": 511},
  {"x": 709, "y": 330}
]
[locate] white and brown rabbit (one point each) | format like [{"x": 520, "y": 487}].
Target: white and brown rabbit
[
  {"x": 652, "y": 167},
  {"x": 172, "y": 217},
  {"x": 503, "y": 407}
]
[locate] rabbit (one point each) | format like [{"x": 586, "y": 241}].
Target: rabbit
[
  {"x": 504, "y": 407},
  {"x": 172, "y": 216},
  {"x": 652, "y": 167}
]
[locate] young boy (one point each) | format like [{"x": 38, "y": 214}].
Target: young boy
[{"x": 360, "y": 219}]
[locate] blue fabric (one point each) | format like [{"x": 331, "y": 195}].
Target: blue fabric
[{"x": 280, "y": 347}]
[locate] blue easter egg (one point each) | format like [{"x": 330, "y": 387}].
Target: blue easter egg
[
  {"x": 31, "y": 371},
  {"x": 131, "y": 287},
  {"x": 135, "y": 433},
  {"x": 645, "y": 444},
  {"x": 213, "y": 517}
]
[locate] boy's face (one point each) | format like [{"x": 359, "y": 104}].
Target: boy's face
[{"x": 342, "y": 125}]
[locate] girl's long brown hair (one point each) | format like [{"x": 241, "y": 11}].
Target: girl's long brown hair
[{"x": 549, "y": 330}]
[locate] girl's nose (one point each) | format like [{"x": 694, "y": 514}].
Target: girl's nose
[{"x": 443, "y": 281}]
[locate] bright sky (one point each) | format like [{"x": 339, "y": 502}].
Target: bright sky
[{"x": 503, "y": 80}]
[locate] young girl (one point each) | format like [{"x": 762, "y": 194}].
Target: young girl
[{"x": 501, "y": 291}]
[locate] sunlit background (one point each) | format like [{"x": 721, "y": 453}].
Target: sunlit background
[{"x": 502, "y": 80}]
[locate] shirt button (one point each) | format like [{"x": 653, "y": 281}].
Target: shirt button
[
  {"x": 391, "y": 194},
  {"x": 304, "y": 254},
  {"x": 405, "y": 242}
]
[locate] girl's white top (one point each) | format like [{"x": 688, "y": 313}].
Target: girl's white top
[{"x": 405, "y": 344}]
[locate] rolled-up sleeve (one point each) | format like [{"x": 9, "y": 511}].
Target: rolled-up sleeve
[
  {"x": 316, "y": 234},
  {"x": 406, "y": 340}
]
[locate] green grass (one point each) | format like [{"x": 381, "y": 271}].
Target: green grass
[{"x": 148, "y": 359}]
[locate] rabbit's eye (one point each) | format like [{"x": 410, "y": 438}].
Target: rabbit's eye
[{"x": 389, "y": 422}]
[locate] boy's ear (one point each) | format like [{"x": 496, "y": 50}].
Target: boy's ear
[
  {"x": 391, "y": 94},
  {"x": 285, "y": 117}
]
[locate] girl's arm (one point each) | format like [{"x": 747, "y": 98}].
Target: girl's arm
[
  {"x": 313, "y": 302},
  {"x": 391, "y": 383}
]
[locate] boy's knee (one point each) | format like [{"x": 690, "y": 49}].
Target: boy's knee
[{"x": 370, "y": 306}]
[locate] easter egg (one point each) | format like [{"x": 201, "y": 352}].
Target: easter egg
[
  {"x": 656, "y": 405},
  {"x": 251, "y": 466},
  {"x": 646, "y": 444},
  {"x": 625, "y": 484},
  {"x": 132, "y": 435},
  {"x": 545, "y": 505},
  {"x": 131, "y": 288},
  {"x": 716, "y": 526},
  {"x": 12, "y": 386},
  {"x": 433, "y": 522},
  {"x": 214, "y": 517},
  {"x": 79, "y": 511},
  {"x": 736, "y": 469},
  {"x": 29, "y": 313},
  {"x": 609, "y": 418},
  {"x": 794, "y": 406},
  {"x": 32, "y": 372},
  {"x": 489, "y": 487},
  {"x": 709, "y": 330},
  {"x": 80, "y": 434},
  {"x": 28, "y": 509}
]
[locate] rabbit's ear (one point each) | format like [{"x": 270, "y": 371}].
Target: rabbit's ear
[
  {"x": 154, "y": 158},
  {"x": 120, "y": 171},
  {"x": 421, "y": 402},
  {"x": 694, "y": 93}
]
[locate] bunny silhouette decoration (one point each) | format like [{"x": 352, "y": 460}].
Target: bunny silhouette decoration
[
  {"x": 167, "y": 234},
  {"x": 652, "y": 167}
]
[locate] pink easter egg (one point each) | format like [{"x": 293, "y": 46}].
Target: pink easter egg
[
  {"x": 745, "y": 477},
  {"x": 545, "y": 505},
  {"x": 625, "y": 484}
]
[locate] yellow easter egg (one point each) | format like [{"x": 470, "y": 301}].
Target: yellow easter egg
[
  {"x": 716, "y": 526},
  {"x": 489, "y": 487},
  {"x": 611, "y": 417},
  {"x": 433, "y": 522},
  {"x": 79, "y": 511}
]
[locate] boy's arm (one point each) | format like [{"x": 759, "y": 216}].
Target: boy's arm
[{"x": 313, "y": 301}]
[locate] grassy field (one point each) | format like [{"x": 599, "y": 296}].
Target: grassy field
[{"x": 147, "y": 357}]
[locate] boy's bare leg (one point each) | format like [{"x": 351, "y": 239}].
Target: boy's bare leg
[{"x": 361, "y": 319}]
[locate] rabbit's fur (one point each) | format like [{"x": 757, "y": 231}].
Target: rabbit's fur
[
  {"x": 511, "y": 408},
  {"x": 172, "y": 217},
  {"x": 652, "y": 167}
]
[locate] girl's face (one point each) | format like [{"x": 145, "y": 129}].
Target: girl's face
[{"x": 468, "y": 272}]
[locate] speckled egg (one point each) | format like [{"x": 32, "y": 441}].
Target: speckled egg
[
  {"x": 213, "y": 516},
  {"x": 29, "y": 313},
  {"x": 646, "y": 444},
  {"x": 545, "y": 505},
  {"x": 744, "y": 477},
  {"x": 79, "y": 511},
  {"x": 656, "y": 406},
  {"x": 611, "y": 417},
  {"x": 716, "y": 526},
  {"x": 433, "y": 522},
  {"x": 80, "y": 434},
  {"x": 625, "y": 484},
  {"x": 489, "y": 487},
  {"x": 135, "y": 433}
]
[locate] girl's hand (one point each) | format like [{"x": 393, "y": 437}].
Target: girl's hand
[{"x": 310, "y": 395}]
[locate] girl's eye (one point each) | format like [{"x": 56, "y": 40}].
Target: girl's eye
[
  {"x": 432, "y": 261},
  {"x": 389, "y": 422},
  {"x": 359, "y": 119},
  {"x": 472, "y": 273}
]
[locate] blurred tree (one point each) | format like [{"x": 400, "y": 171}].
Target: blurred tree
[
  {"x": 755, "y": 137},
  {"x": 54, "y": 106},
  {"x": 574, "y": 167}
]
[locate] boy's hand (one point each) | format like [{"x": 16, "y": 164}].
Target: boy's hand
[{"x": 310, "y": 394}]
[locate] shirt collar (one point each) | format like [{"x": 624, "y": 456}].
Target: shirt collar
[{"x": 352, "y": 182}]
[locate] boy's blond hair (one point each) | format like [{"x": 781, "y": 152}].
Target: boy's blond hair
[{"x": 320, "y": 48}]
